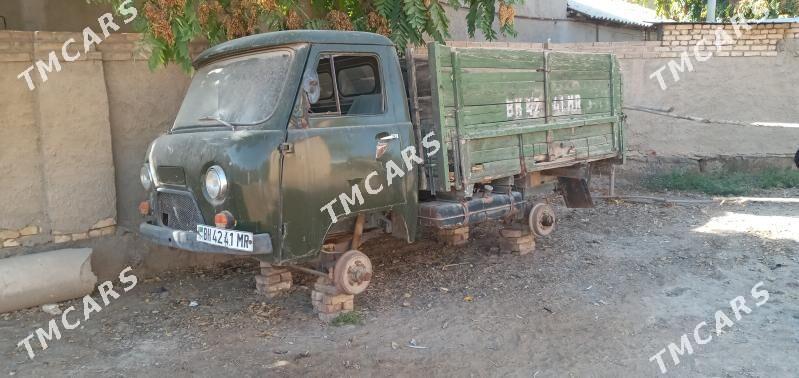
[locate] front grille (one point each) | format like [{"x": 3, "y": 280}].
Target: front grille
[
  {"x": 178, "y": 211},
  {"x": 170, "y": 175}
]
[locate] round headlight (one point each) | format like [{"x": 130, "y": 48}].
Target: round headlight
[
  {"x": 146, "y": 179},
  {"x": 215, "y": 183}
]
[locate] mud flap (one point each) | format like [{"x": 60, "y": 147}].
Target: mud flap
[
  {"x": 575, "y": 192},
  {"x": 573, "y": 185}
]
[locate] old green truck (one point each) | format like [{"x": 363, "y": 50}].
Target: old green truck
[{"x": 296, "y": 146}]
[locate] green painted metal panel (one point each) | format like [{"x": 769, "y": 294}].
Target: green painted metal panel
[{"x": 506, "y": 112}]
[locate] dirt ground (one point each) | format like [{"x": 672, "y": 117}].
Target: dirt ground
[{"x": 608, "y": 290}]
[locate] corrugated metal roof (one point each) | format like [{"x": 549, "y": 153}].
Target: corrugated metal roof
[{"x": 616, "y": 11}]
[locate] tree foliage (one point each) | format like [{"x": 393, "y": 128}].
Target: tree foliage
[
  {"x": 170, "y": 26},
  {"x": 696, "y": 10}
]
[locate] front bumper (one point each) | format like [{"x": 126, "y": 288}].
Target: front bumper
[{"x": 187, "y": 240}]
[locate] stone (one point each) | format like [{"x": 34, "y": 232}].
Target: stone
[
  {"x": 8, "y": 234},
  {"x": 29, "y": 230},
  {"x": 105, "y": 223},
  {"x": 61, "y": 238},
  {"x": 80, "y": 236},
  {"x": 10, "y": 243}
]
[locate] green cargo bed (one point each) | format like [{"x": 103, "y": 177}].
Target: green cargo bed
[{"x": 503, "y": 112}]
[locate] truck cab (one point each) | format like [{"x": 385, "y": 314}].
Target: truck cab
[{"x": 273, "y": 128}]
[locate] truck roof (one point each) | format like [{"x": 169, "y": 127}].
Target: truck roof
[{"x": 266, "y": 40}]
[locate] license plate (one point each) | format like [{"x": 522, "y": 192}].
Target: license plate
[{"x": 240, "y": 240}]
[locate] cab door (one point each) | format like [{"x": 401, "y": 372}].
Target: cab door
[{"x": 339, "y": 160}]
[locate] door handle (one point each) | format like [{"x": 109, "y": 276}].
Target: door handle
[
  {"x": 383, "y": 140},
  {"x": 389, "y": 137}
]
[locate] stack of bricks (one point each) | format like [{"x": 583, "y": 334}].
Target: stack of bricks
[
  {"x": 516, "y": 239},
  {"x": 16, "y": 238},
  {"x": 32, "y": 235},
  {"x": 272, "y": 281},
  {"x": 328, "y": 301},
  {"x": 454, "y": 236},
  {"x": 103, "y": 227},
  {"x": 758, "y": 40}
]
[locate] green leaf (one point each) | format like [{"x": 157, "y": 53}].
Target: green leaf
[{"x": 156, "y": 58}]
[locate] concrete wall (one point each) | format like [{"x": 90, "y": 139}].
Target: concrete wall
[
  {"x": 72, "y": 148},
  {"x": 539, "y": 21},
  {"x": 56, "y": 144},
  {"x": 53, "y": 15}
]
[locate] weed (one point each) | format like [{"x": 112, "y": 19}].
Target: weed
[
  {"x": 725, "y": 183},
  {"x": 347, "y": 318}
]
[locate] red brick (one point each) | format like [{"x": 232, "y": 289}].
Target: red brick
[{"x": 513, "y": 232}]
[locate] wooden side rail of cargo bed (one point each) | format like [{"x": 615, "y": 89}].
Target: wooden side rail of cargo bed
[{"x": 503, "y": 112}]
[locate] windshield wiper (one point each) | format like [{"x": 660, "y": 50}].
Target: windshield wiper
[{"x": 218, "y": 119}]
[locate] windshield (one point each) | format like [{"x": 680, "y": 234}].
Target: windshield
[{"x": 238, "y": 91}]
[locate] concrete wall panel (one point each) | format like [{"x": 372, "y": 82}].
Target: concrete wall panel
[
  {"x": 557, "y": 31},
  {"x": 55, "y": 15},
  {"x": 76, "y": 147},
  {"x": 20, "y": 161},
  {"x": 724, "y": 89},
  {"x": 143, "y": 105}
]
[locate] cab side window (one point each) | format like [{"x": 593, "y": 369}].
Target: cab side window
[{"x": 349, "y": 85}]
